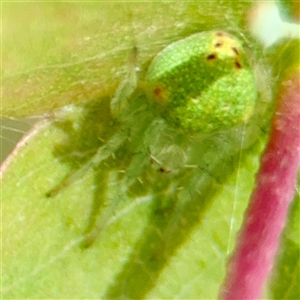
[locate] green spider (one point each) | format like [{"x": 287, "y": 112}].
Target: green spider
[{"x": 159, "y": 133}]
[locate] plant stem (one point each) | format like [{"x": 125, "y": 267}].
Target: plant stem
[{"x": 259, "y": 238}]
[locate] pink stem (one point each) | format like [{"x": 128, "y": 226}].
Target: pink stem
[{"x": 259, "y": 238}]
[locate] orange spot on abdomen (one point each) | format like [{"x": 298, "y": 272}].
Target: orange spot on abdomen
[{"x": 157, "y": 92}]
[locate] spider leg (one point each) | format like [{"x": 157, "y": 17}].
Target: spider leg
[
  {"x": 103, "y": 153},
  {"x": 119, "y": 103}
]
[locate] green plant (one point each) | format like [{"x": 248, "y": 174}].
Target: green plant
[{"x": 167, "y": 234}]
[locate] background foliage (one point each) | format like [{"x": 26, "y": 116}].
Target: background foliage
[{"x": 57, "y": 54}]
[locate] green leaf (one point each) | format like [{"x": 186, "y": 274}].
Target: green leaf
[
  {"x": 57, "y": 53},
  {"x": 160, "y": 235},
  {"x": 167, "y": 234},
  {"x": 285, "y": 280}
]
